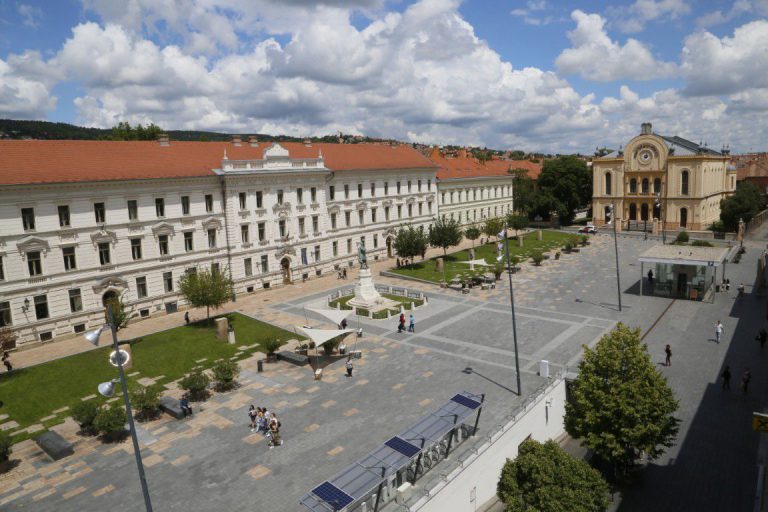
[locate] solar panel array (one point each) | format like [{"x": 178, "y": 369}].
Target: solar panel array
[
  {"x": 403, "y": 447},
  {"x": 466, "y": 401},
  {"x": 332, "y": 495}
]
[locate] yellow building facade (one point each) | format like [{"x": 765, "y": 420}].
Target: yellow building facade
[{"x": 670, "y": 180}]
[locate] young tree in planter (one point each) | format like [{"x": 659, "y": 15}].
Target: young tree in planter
[
  {"x": 196, "y": 383},
  {"x": 445, "y": 233},
  {"x": 621, "y": 405},
  {"x": 145, "y": 401},
  {"x": 410, "y": 242},
  {"x": 84, "y": 413},
  {"x": 206, "y": 288},
  {"x": 472, "y": 233},
  {"x": 517, "y": 222},
  {"x": 537, "y": 257},
  {"x": 225, "y": 375},
  {"x": 493, "y": 227},
  {"x": 110, "y": 421},
  {"x": 545, "y": 478}
]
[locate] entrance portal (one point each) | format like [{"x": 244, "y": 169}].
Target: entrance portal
[{"x": 285, "y": 264}]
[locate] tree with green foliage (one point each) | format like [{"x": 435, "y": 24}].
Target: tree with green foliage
[
  {"x": 120, "y": 314},
  {"x": 621, "y": 407},
  {"x": 6, "y": 446},
  {"x": 472, "y": 233},
  {"x": 225, "y": 375},
  {"x": 204, "y": 288},
  {"x": 445, "y": 232},
  {"x": 124, "y": 131},
  {"x": 544, "y": 203},
  {"x": 544, "y": 478},
  {"x": 569, "y": 181},
  {"x": 493, "y": 226},
  {"x": 523, "y": 190},
  {"x": 517, "y": 222},
  {"x": 110, "y": 421},
  {"x": 196, "y": 384},
  {"x": 84, "y": 413},
  {"x": 743, "y": 205},
  {"x": 682, "y": 238},
  {"x": 145, "y": 401},
  {"x": 410, "y": 242}
]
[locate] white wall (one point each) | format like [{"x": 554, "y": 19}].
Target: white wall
[{"x": 481, "y": 473}]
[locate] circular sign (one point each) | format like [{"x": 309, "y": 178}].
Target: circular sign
[{"x": 124, "y": 358}]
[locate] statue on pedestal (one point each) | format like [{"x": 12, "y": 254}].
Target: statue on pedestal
[{"x": 361, "y": 257}]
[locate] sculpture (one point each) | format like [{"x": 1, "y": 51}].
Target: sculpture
[{"x": 361, "y": 257}]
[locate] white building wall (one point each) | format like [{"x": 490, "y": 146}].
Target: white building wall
[{"x": 470, "y": 200}]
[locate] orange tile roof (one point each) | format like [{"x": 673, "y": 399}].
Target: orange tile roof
[
  {"x": 57, "y": 161},
  {"x": 467, "y": 167}
]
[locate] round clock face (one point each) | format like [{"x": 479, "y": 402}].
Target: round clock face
[{"x": 645, "y": 156}]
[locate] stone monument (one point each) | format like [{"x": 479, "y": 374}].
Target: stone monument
[{"x": 366, "y": 295}]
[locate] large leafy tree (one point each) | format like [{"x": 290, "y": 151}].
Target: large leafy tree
[
  {"x": 493, "y": 226},
  {"x": 544, "y": 478},
  {"x": 472, "y": 233},
  {"x": 204, "y": 288},
  {"x": 445, "y": 233},
  {"x": 744, "y": 204},
  {"x": 621, "y": 406},
  {"x": 544, "y": 203},
  {"x": 410, "y": 242},
  {"x": 569, "y": 181},
  {"x": 523, "y": 190},
  {"x": 517, "y": 222}
]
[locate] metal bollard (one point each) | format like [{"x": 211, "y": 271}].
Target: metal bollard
[{"x": 260, "y": 365}]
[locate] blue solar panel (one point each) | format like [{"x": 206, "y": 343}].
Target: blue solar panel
[
  {"x": 466, "y": 402},
  {"x": 332, "y": 495},
  {"x": 402, "y": 446}
]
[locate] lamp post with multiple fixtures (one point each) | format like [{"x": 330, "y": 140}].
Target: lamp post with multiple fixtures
[
  {"x": 661, "y": 217},
  {"x": 612, "y": 210},
  {"x": 118, "y": 358},
  {"x": 511, "y": 305}
]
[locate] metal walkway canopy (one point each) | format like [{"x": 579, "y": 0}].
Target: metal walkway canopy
[{"x": 365, "y": 477}]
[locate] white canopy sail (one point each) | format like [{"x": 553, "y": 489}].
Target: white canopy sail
[
  {"x": 320, "y": 336},
  {"x": 334, "y": 315}
]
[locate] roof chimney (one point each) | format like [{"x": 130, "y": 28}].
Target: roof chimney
[
  {"x": 163, "y": 139},
  {"x": 646, "y": 129},
  {"x": 253, "y": 141},
  {"x": 237, "y": 140}
]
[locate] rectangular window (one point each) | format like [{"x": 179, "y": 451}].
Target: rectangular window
[
  {"x": 335, "y": 247},
  {"x": 242, "y": 197},
  {"x": 346, "y": 191},
  {"x": 279, "y": 197},
  {"x": 348, "y": 218},
  {"x": 386, "y": 213},
  {"x": 373, "y": 189},
  {"x": 359, "y": 190},
  {"x": 64, "y": 216},
  {"x": 209, "y": 203},
  {"x": 133, "y": 209},
  {"x": 28, "y": 218},
  {"x": 160, "y": 207},
  {"x": 333, "y": 221},
  {"x": 136, "y": 248},
  {"x": 349, "y": 246},
  {"x": 104, "y": 253},
  {"x": 304, "y": 260},
  {"x": 421, "y": 206},
  {"x": 375, "y": 240},
  {"x": 185, "y": 205},
  {"x": 248, "y": 267},
  {"x": 386, "y": 188},
  {"x": 5, "y": 314},
  {"x": 360, "y": 217},
  {"x": 315, "y": 224},
  {"x": 317, "y": 253},
  {"x": 69, "y": 258},
  {"x": 313, "y": 194},
  {"x": 100, "y": 212},
  {"x": 141, "y": 287},
  {"x": 264, "y": 264},
  {"x": 398, "y": 188},
  {"x": 41, "y": 306},
  {"x": 162, "y": 244},
  {"x": 259, "y": 199},
  {"x": 245, "y": 236},
  {"x": 373, "y": 214},
  {"x": 34, "y": 263},
  {"x": 168, "y": 282},
  {"x": 299, "y": 195},
  {"x": 301, "y": 226},
  {"x": 281, "y": 228},
  {"x": 262, "y": 231},
  {"x": 442, "y": 198},
  {"x": 429, "y": 185},
  {"x": 429, "y": 208},
  {"x": 409, "y": 186},
  {"x": 211, "y": 238},
  {"x": 331, "y": 193},
  {"x": 75, "y": 300},
  {"x": 418, "y": 186},
  {"x": 399, "y": 211},
  {"x": 189, "y": 244},
  {"x": 2, "y": 270}
]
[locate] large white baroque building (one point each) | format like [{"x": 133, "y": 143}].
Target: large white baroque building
[{"x": 83, "y": 221}]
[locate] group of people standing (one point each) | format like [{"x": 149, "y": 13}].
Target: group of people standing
[
  {"x": 264, "y": 420},
  {"x": 411, "y": 324}
]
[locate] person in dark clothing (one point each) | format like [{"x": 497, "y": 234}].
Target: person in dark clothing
[
  {"x": 650, "y": 277},
  {"x": 668, "y": 351},
  {"x": 185, "y": 407},
  {"x": 745, "y": 378},
  {"x": 186, "y": 317},
  {"x": 727, "y": 378},
  {"x": 762, "y": 336},
  {"x": 7, "y": 361},
  {"x": 401, "y": 323},
  {"x": 349, "y": 366}
]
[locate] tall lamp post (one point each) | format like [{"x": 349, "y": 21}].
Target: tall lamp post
[
  {"x": 119, "y": 357},
  {"x": 612, "y": 210},
  {"x": 512, "y": 306},
  {"x": 661, "y": 215}
]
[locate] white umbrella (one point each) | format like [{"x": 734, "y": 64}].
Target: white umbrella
[{"x": 334, "y": 315}]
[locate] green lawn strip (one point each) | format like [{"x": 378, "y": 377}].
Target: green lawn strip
[
  {"x": 32, "y": 393},
  {"x": 453, "y": 266}
]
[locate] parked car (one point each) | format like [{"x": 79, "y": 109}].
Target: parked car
[{"x": 590, "y": 229}]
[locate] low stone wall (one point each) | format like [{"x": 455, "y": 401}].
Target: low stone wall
[{"x": 406, "y": 293}]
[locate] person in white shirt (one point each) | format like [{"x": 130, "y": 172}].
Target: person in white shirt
[{"x": 718, "y": 331}]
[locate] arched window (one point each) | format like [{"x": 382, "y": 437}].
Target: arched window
[
  {"x": 633, "y": 211},
  {"x": 683, "y": 217},
  {"x": 607, "y": 183},
  {"x": 645, "y": 186},
  {"x": 657, "y": 186},
  {"x": 633, "y": 186},
  {"x": 644, "y": 211},
  {"x": 684, "y": 183}
]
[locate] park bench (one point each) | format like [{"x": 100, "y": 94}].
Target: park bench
[
  {"x": 54, "y": 445},
  {"x": 172, "y": 406},
  {"x": 293, "y": 358}
]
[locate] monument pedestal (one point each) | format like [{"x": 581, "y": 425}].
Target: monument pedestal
[{"x": 366, "y": 295}]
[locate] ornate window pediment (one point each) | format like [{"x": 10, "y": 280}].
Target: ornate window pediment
[
  {"x": 386, "y": 202},
  {"x": 282, "y": 208},
  {"x": 410, "y": 200},
  {"x": 113, "y": 282},
  {"x": 362, "y": 205},
  {"x": 31, "y": 244},
  {"x": 334, "y": 209},
  {"x": 211, "y": 223},
  {"x": 163, "y": 228},
  {"x": 104, "y": 236},
  {"x": 285, "y": 251}
]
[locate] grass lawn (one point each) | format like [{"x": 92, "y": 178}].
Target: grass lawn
[
  {"x": 453, "y": 266},
  {"x": 33, "y": 393},
  {"x": 379, "y": 314}
]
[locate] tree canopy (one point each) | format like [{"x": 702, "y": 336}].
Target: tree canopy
[
  {"x": 621, "y": 406},
  {"x": 124, "y": 131},
  {"x": 569, "y": 181},
  {"x": 445, "y": 232},
  {"x": 517, "y": 222},
  {"x": 410, "y": 242},
  {"x": 493, "y": 226},
  {"x": 523, "y": 190},
  {"x": 744, "y": 204},
  {"x": 472, "y": 233},
  {"x": 120, "y": 316},
  {"x": 204, "y": 288},
  {"x": 544, "y": 203},
  {"x": 544, "y": 478}
]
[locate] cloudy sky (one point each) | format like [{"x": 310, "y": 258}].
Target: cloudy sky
[{"x": 535, "y": 75}]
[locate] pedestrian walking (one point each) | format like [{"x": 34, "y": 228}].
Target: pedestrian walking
[
  {"x": 726, "y": 378},
  {"x": 7, "y": 361},
  {"x": 762, "y": 336},
  {"x": 349, "y": 366},
  {"x": 668, "y": 351},
  {"x": 401, "y": 323},
  {"x": 718, "y": 331},
  {"x": 412, "y": 324},
  {"x": 253, "y": 415},
  {"x": 186, "y": 317},
  {"x": 745, "y": 378},
  {"x": 274, "y": 432},
  {"x": 650, "y": 277}
]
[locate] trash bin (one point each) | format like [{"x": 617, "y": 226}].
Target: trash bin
[{"x": 260, "y": 365}]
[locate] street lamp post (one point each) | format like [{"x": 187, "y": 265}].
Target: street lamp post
[
  {"x": 108, "y": 388},
  {"x": 616, "y": 249},
  {"x": 661, "y": 215},
  {"x": 512, "y": 306}
]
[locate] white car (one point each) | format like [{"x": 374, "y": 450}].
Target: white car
[{"x": 590, "y": 229}]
